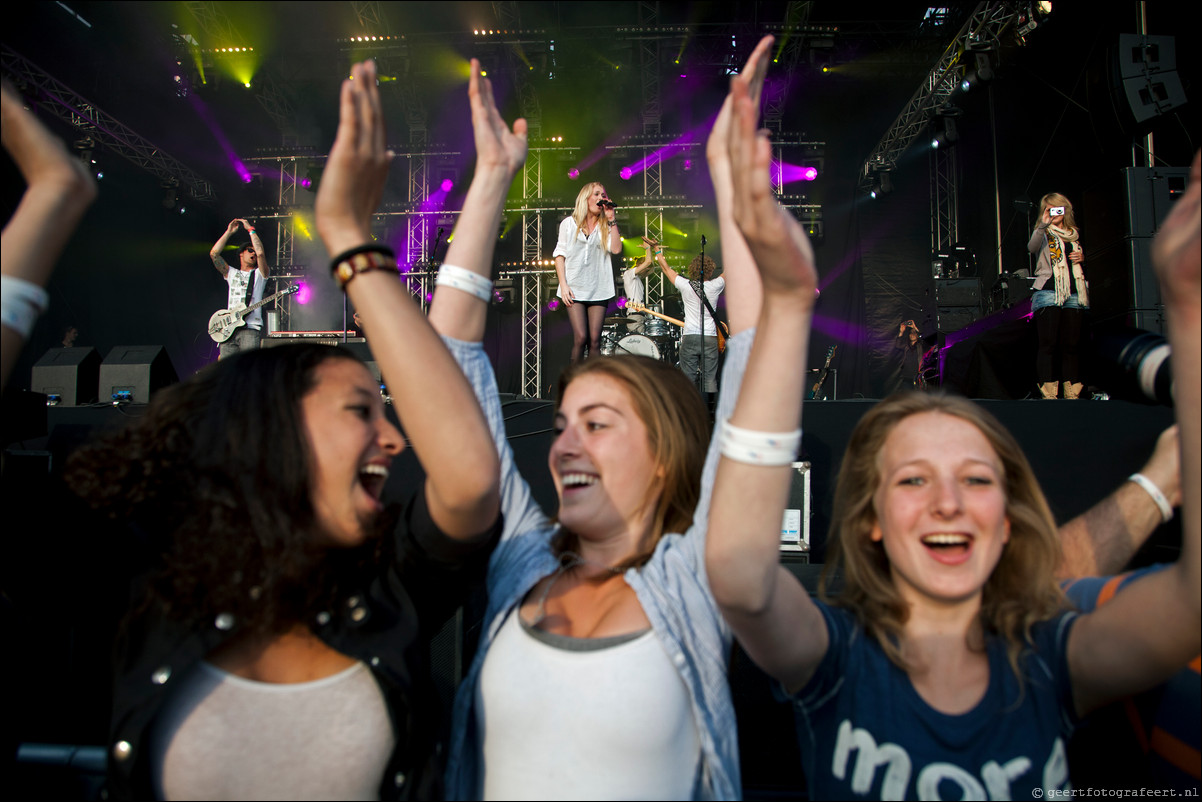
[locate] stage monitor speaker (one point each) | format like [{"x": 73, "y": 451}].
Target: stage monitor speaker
[
  {"x": 133, "y": 373},
  {"x": 958, "y": 291},
  {"x": 67, "y": 376}
]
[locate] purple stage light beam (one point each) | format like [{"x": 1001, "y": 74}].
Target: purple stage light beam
[{"x": 202, "y": 111}]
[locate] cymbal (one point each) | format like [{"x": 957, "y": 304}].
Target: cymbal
[{"x": 618, "y": 321}]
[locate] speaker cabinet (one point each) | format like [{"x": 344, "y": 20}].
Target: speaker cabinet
[
  {"x": 67, "y": 376},
  {"x": 954, "y": 318},
  {"x": 134, "y": 372},
  {"x": 958, "y": 291}
]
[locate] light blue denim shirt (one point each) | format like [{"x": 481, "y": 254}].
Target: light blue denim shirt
[{"x": 672, "y": 588}]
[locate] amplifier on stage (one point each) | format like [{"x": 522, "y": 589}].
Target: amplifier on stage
[{"x": 795, "y": 528}]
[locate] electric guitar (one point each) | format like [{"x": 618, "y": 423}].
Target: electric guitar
[
  {"x": 817, "y": 388},
  {"x": 723, "y": 331},
  {"x": 223, "y": 324}
]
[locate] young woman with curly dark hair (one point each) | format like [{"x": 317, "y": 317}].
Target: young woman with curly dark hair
[{"x": 277, "y": 648}]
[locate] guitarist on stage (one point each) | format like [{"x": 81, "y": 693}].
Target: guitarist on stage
[
  {"x": 698, "y": 347},
  {"x": 246, "y": 285}
]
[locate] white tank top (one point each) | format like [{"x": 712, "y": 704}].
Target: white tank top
[
  {"x": 219, "y": 736},
  {"x": 582, "y": 718}
]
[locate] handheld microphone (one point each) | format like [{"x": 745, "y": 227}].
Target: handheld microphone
[{"x": 606, "y": 202}]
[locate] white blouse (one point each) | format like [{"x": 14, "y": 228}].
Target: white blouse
[{"x": 587, "y": 267}]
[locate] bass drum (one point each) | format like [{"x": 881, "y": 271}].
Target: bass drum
[
  {"x": 639, "y": 345},
  {"x": 661, "y": 348}
]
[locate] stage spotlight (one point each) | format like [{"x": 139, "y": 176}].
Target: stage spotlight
[
  {"x": 304, "y": 294},
  {"x": 573, "y": 173},
  {"x": 809, "y": 173},
  {"x": 626, "y": 173},
  {"x": 447, "y": 185}
]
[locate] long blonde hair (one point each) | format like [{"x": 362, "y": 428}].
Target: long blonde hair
[
  {"x": 1056, "y": 199},
  {"x": 1022, "y": 589},
  {"x": 580, "y": 212}
]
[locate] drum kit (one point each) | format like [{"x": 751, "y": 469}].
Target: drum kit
[{"x": 640, "y": 335}]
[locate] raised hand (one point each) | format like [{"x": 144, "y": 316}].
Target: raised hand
[
  {"x": 781, "y": 249},
  {"x": 357, "y": 167}
]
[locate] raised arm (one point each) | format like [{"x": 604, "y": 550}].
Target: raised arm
[
  {"x": 58, "y": 191},
  {"x": 500, "y": 153},
  {"x": 1113, "y": 652},
  {"x": 644, "y": 267},
  {"x": 769, "y": 611},
  {"x": 669, "y": 273},
  {"x": 433, "y": 400},
  {"x": 257, "y": 244},
  {"x": 219, "y": 246},
  {"x": 1104, "y": 538}
]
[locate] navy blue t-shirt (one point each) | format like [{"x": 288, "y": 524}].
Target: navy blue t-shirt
[{"x": 866, "y": 733}]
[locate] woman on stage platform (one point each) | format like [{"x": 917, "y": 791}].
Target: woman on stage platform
[
  {"x": 1061, "y": 297},
  {"x": 582, "y": 260}
]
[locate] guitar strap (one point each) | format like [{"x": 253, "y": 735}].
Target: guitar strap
[
  {"x": 249, "y": 293},
  {"x": 713, "y": 315}
]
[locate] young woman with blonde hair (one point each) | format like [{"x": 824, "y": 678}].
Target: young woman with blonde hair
[
  {"x": 948, "y": 667},
  {"x": 586, "y": 241},
  {"x": 1061, "y": 297}
]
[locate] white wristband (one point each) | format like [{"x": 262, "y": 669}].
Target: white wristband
[
  {"x": 1166, "y": 509},
  {"x": 759, "y": 448},
  {"x": 465, "y": 280},
  {"x": 21, "y": 302}
]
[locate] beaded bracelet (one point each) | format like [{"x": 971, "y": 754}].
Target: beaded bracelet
[
  {"x": 1162, "y": 503},
  {"x": 363, "y": 259},
  {"x": 21, "y": 302},
  {"x": 759, "y": 448},
  {"x": 465, "y": 280}
]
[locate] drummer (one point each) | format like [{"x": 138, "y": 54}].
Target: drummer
[
  {"x": 698, "y": 346},
  {"x": 636, "y": 293}
]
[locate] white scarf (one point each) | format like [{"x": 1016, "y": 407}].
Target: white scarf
[{"x": 1062, "y": 268}]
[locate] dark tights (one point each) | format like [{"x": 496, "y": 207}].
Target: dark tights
[
  {"x": 587, "y": 319},
  {"x": 1059, "y": 332}
]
